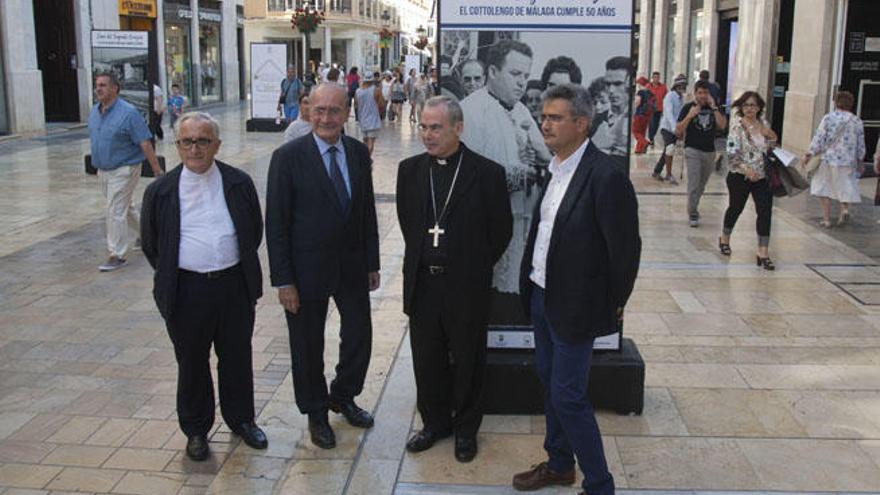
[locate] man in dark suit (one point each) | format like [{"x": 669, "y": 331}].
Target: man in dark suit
[
  {"x": 577, "y": 273},
  {"x": 455, "y": 216},
  {"x": 200, "y": 229},
  {"x": 323, "y": 242}
]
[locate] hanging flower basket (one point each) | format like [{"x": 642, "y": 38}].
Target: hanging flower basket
[
  {"x": 306, "y": 22},
  {"x": 386, "y": 35},
  {"x": 421, "y": 43}
]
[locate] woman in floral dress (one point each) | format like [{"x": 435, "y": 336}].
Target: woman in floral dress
[{"x": 840, "y": 139}]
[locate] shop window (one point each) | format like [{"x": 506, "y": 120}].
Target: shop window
[
  {"x": 696, "y": 60},
  {"x": 211, "y": 73},
  {"x": 671, "y": 35},
  {"x": 178, "y": 63}
]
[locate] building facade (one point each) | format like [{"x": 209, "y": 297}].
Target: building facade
[
  {"x": 797, "y": 54},
  {"x": 46, "y": 54},
  {"x": 348, "y": 36}
]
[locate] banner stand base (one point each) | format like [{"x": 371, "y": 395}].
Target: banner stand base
[
  {"x": 617, "y": 381},
  {"x": 265, "y": 125}
]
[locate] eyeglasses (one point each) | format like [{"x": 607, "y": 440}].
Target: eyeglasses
[
  {"x": 554, "y": 119},
  {"x": 200, "y": 142},
  {"x": 328, "y": 111},
  {"x": 750, "y": 105}
]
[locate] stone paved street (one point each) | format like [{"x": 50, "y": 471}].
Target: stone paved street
[{"x": 756, "y": 381}]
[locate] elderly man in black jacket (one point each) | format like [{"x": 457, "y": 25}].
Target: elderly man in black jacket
[
  {"x": 200, "y": 229},
  {"x": 577, "y": 273}
]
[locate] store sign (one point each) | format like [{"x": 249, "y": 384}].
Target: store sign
[
  {"x": 204, "y": 15},
  {"x": 138, "y": 8},
  {"x": 210, "y": 16}
]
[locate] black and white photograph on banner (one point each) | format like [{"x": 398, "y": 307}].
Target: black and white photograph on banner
[
  {"x": 126, "y": 54},
  {"x": 499, "y": 77}
]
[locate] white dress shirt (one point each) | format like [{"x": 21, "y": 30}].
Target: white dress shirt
[
  {"x": 562, "y": 174},
  {"x": 207, "y": 235}
]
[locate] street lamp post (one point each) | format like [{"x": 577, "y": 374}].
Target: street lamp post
[
  {"x": 386, "y": 18},
  {"x": 306, "y": 19},
  {"x": 421, "y": 43}
]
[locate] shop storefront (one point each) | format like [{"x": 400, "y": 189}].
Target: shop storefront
[
  {"x": 178, "y": 58},
  {"x": 210, "y": 54}
]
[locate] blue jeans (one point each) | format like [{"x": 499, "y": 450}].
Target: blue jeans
[
  {"x": 291, "y": 111},
  {"x": 572, "y": 431}
]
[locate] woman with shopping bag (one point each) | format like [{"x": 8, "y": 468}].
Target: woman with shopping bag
[{"x": 748, "y": 141}]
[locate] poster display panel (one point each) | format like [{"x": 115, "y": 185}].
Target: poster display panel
[
  {"x": 497, "y": 57},
  {"x": 268, "y": 68},
  {"x": 126, "y": 54}
]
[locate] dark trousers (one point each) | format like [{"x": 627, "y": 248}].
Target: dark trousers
[
  {"x": 448, "y": 394},
  {"x": 306, "y": 330},
  {"x": 572, "y": 431},
  {"x": 668, "y": 139},
  {"x": 739, "y": 188},
  {"x": 655, "y": 124},
  {"x": 217, "y": 311},
  {"x": 156, "y": 125}
]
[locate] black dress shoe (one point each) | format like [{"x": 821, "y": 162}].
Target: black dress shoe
[
  {"x": 465, "y": 449},
  {"x": 197, "y": 447},
  {"x": 353, "y": 414},
  {"x": 425, "y": 439},
  {"x": 252, "y": 435},
  {"x": 321, "y": 433}
]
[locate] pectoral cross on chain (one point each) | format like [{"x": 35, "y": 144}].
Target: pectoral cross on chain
[{"x": 436, "y": 231}]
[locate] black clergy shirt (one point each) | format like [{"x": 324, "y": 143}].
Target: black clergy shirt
[{"x": 443, "y": 175}]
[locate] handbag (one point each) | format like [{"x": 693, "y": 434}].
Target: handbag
[
  {"x": 809, "y": 168},
  {"x": 774, "y": 177}
]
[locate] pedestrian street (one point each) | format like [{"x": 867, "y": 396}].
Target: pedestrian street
[{"x": 756, "y": 381}]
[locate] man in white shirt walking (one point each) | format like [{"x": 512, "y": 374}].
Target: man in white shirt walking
[
  {"x": 672, "y": 103},
  {"x": 200, "y": 227}
]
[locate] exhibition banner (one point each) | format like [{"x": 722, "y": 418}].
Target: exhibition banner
[
  {"x": 497, "y": 57},
  {"x": 268, "y": 68},
  {"x": 126, "y": 54}
]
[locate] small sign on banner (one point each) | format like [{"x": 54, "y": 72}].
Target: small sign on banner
[
  {"x": 120, "y": 39},
  {"x": 857, "y": 42}
]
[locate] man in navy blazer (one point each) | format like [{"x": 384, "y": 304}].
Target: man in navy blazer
[
  {"x": 577, "y": 273},
  {"x": 323, "y": 242}
]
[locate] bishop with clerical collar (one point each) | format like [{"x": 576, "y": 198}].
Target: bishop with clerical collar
[{"x": 454, "y": 212}]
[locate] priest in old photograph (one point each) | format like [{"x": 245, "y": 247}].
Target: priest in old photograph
[{"x": 454, "y": 212}]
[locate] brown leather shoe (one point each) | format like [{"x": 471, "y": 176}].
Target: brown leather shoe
[{"x": 540, "y": 476}]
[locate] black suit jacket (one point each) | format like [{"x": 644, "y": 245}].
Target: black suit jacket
[
  {"x": 594, "y": 251},
  {"x": 313, "y": 244},
  {"x": 479, "y": 219},
  {"x": 160, "y": 231}
]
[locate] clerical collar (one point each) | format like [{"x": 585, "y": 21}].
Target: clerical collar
[
  {"x": 501, "y": 102},
  {"x": 453, "y": 158}
]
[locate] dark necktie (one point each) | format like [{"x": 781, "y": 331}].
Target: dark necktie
[{"x": 337, "y": 179}]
